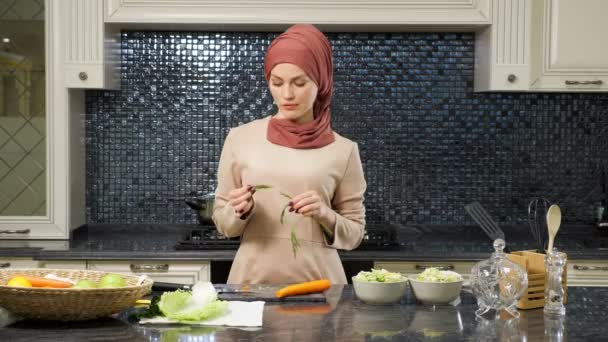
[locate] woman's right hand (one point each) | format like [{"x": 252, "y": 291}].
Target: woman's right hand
[{"x": 241, "y": 200}]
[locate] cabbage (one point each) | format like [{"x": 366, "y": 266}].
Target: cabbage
[
  {"x": 192, "y": 306},
  {"x": 381, "y": 276},
  {"x": 433, "y": 274}
]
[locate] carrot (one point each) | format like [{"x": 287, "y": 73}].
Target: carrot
[
  {"x": 45, "y": 282},
  {"x": 304, "y": 288}
]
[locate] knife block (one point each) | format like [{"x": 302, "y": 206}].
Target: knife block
[{"x": 534, "y": 264}]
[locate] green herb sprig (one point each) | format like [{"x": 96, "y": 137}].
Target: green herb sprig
[{"x": 295, "y": 242}]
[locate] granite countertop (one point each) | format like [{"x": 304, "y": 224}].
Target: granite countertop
[
  {"x": 345, "y": 318},
  {"x": 417, "y": 242}
]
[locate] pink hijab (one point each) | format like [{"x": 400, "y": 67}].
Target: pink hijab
[{"x": 305, "y": 46}]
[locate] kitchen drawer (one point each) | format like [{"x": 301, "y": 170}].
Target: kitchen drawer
[
  {"x": 587, "y": 273},
  {"x": 64, "y": 264},
  {"x": 414, "y": 267},
  {"x": 18, "y": 263},
  {"x": 180, "y": 272}
]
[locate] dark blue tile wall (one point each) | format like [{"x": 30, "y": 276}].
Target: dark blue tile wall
[{"x": 429, "y": 144}]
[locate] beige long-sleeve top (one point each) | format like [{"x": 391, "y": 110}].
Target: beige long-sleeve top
[{"x": 265, "y": 254}]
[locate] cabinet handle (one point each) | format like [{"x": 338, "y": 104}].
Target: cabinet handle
[
  {"x": 150, "y": 268},
  {"x": 590, "y": 268},
  {"x": 5, "y": 265},
  {"x": 439, "y": 267},
  {"x": 596, "y": 82},
  {"x": 83, "y": 76},
  {"x": 15, "y": 231},
  {"x": 511, "y": 78}
]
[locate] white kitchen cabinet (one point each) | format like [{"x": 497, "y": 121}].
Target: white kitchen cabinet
[
  {"x": 580, "y": 272},
  {"x": 18, "y": 263},
  {"x": 543, "y": 45},
  {"x": 455, "y": 13},
  {"x": 409, "y": 268},
  {"x": 587, "y": 273},
  {"x": 569, "y": 50},
  {"x": 52, "y": 153},
  {"x": 179, "y": 272},
  {"x": 64, "y": 264},
  {"x": 502, "y": 50},
  {"x": 91, "y": 49}
]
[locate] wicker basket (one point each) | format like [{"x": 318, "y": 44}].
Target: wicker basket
[
  {"x": 534, "y": 264},
  {"x": 68, "y": 304}
]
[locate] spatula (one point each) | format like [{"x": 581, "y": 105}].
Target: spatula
[
  {"x": 554, "y": 219},
  {"x": 484, "y": 220}
]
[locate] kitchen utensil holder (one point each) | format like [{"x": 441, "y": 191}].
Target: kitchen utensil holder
[{"x": 534, "y": 264}]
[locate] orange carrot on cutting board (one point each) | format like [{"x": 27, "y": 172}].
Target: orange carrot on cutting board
[
  {"x": 304, "y": 288},
  {"x": 45, "y": 282}
]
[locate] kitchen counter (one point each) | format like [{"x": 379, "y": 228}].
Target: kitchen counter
[
  {"x": 417, "y": 242},
  {"x": 345, "y": 318}
]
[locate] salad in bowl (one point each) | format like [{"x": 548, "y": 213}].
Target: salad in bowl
[
  {"x": 379, "y": 286},
  {"x": 435, "y": 286}
]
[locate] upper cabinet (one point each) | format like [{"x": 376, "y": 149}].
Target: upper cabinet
[
  {"x": 91, "y": 49},
  {"x": 543, "y": 45},
  {"x": 40, "y": 172},
  {"x": 521, "y": 45},
  {"x": 569, "y": 45},
  {"x": 281, "y": 12}
]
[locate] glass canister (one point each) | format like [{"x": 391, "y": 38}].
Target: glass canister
[{"x": 498, "y": 283}]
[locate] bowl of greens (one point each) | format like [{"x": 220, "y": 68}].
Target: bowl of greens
[
  {"x": 379, "y": 286},
  {"x": 434, "y": 286}
]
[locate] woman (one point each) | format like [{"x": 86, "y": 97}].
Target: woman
[{"x": 296, "y": 153}]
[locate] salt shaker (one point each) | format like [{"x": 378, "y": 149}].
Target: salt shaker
[{"x": 554, "y": 292}]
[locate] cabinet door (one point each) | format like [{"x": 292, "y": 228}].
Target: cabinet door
[
  {"x": 179, "y": 272},
  {"x": 23, "y": 117},
  {"x": 18, "y": 263},
  {"x": 92, "y": 51},
  {"x": 587, "y": 273},
  {"x": 574, "y": 53},
  {"x": 408, "y": 268}
]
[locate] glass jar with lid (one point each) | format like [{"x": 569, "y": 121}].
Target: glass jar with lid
[{"x": 498, "y": 283}]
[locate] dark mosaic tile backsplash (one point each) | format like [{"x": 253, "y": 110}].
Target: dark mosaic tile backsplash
[{"x": 428, "y": 143}]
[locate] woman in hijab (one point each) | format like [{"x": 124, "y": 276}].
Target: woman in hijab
[{"x": 315, "y": 175}]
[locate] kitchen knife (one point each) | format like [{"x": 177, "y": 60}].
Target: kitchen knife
[{"x": 163, "y": 286}]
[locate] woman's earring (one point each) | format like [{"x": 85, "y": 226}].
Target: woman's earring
[{"x": 274, "y": 102}]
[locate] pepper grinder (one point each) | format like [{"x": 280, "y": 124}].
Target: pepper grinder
[{"x": 554, "y": 292}]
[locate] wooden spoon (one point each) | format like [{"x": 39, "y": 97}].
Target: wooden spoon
[{"x": 554, "y": 219}]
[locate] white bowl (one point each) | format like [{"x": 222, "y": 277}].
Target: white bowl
[
  {"x": 430, "y": 292},
  {"x": 372, "y": 292}
]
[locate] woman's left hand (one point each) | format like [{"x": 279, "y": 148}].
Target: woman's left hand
[{"x": 309, "y": 204}]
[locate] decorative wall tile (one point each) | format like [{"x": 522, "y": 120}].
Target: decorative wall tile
[{"x": 428, "y": 143}]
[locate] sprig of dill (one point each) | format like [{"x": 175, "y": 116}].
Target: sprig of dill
[{"x": 295, "y": 242}]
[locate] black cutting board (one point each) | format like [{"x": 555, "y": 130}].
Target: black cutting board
[{"x": 265, "y": 293}]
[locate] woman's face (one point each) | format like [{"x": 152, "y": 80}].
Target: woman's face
[{"x": 293, "y": 92}]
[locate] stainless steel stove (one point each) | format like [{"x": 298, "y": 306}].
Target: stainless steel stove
[
  {"x": 207, "y": 237},
  {"x": 377, "y": 238}
]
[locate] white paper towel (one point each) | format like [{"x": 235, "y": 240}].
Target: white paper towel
[{"x": 241, "y": 314}]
